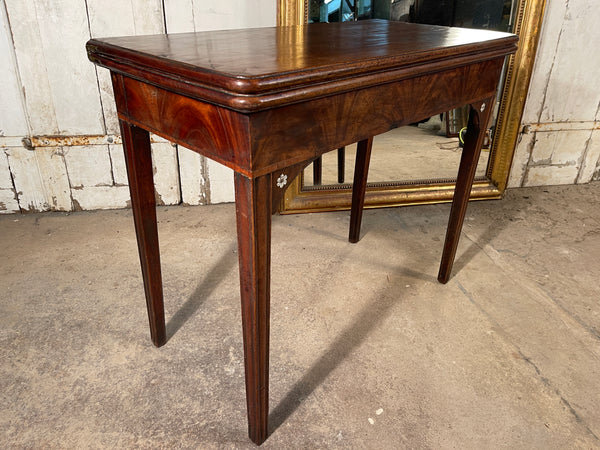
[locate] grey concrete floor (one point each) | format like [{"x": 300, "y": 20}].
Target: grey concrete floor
[{"x": 367, "y": 349}]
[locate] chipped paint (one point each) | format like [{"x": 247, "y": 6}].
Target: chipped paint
[
  {"x": 158, "y": 198},
  {"x": 31, "y": 208},
  {"x": 76, "y": 205}
]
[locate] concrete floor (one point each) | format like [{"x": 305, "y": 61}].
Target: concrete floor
[{"x": 367, "y": 349}]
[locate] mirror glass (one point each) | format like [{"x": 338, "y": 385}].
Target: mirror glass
[{"x": 428, "y": 151}]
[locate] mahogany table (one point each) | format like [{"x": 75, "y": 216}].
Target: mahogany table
[{"x": 266, "y": 102}]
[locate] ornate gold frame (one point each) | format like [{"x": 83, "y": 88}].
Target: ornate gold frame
[{"x": 528, "y": 23}]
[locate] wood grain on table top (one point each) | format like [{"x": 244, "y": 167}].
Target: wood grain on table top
[{"x": 259, "y": 60}]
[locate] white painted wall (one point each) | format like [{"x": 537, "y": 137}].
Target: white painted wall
[
  {"x": 49, "y": 87},
  {"x": 561, "y": 144}
]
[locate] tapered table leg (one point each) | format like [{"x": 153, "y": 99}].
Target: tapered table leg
[
  {"x": 359, "y": 187},
  {"x": 253, "y": 211},
  {"x": 341, "y": 160},
  {"x": 317, "y": 171},
  {"x": 138, "y": 158},
  {"x": 478, "y": 119}
]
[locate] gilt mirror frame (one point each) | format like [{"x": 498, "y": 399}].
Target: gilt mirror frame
[{"x": 528, "y": 22}]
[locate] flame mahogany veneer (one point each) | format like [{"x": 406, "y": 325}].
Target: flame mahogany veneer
[{"x": 266, "y": 102}]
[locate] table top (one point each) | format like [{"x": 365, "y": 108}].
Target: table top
[{"x": 303, "y": 62}]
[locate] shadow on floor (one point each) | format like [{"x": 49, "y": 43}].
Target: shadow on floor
[
  {"x": 347, "y": 341},
  {"x": 476, "y": 247},
  {"x": 212, "y": 279}
]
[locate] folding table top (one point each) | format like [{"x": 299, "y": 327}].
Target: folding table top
[{"x": 253, "y": 69}]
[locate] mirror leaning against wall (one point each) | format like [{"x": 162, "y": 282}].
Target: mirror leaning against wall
[{"x": 418, "y": 163}]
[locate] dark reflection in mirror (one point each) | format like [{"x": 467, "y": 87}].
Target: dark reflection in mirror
[{"x": 429, "y": 150}]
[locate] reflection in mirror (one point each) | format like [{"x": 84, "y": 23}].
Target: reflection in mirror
[{"x": 429, "y": 150}]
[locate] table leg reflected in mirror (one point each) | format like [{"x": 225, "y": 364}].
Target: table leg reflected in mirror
[{"x": 359, "y": 187}]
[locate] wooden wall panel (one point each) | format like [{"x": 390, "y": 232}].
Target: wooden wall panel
[
  {"x": 591, "y": 165},
  {"x": 217, "y": 14},
  {"x": 562, "y": 113},
  {"x": 40, "y": 179},
  {"x": 5, "y": 177},
  {"x": 120, "y": 18},
  {"x": 572, "y": 92},
  {"x": 100, "y": 197},
  {"x": 54, "y": 177},
  {"x": 32, "y": 68},
  {"x": 8, "y": 195},
  {"x": 62, "y": 30},
  {"x": 179, "y": 16},
  {"x": 88, "y": 165},
  {"x": 13, "y": 121},
  {"x": 50, "y": 88},
  {"x": 8, "y": 203},
  {"x": 193, "y": 176},
  {"x": 204, "y": 15},
  {"x": 166, "y": 173},
  {"x": 27, "y": 179}
]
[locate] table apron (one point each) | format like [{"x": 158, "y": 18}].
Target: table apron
[{"x": 262, "y": 142}]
